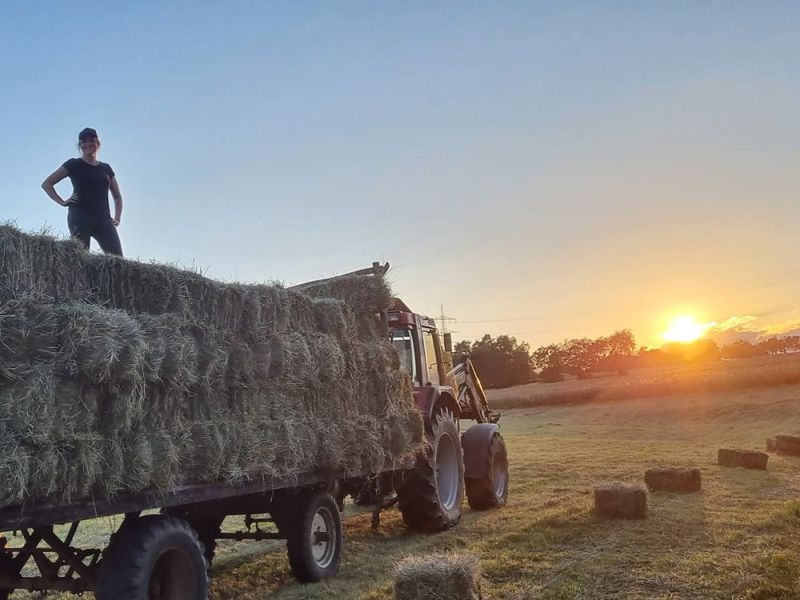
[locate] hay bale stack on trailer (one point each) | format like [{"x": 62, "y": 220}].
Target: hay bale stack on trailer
[
  {"x": 120, "y": 376},
  {"x": 126, "y": 385}
]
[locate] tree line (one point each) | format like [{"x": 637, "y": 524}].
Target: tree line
[{"x": 502, "y": 361}]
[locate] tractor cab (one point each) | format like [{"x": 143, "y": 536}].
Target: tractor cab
[
  {"x": 423, "y": 354},
  {"x": 428, "y": 358}
]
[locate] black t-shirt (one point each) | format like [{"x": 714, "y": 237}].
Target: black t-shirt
[{"x": 90, "y": 183}]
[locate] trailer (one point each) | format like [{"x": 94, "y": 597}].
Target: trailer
[
  {"x": 167, "y": 555},
  {"x": 165, "y": 542}
]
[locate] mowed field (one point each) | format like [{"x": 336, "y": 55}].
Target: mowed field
[{"x": 738, "y": 538}]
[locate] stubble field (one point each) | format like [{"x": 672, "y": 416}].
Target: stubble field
[{"x": 738, "y": 538}]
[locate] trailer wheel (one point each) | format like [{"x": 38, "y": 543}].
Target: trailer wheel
[
  {"x": 207, "y": 532},
  {"x": 314, "y": 537},
  {"x": 153, "y": 558},
  {"x": 431, "y": 496},
  {"x": 491, "y": 489}
]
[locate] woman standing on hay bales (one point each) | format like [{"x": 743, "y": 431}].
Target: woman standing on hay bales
[{"x": 88, "y": 215}]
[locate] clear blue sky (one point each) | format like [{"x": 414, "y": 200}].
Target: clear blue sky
[{"x": 544, "y": 170}]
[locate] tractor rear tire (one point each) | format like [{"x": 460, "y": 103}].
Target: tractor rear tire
[
  {"x": 314, "y": 537},
  {"x": 491, "y": 490},
  {"x": 430, "y": 498},
  {"x": 154, "y": 556}
]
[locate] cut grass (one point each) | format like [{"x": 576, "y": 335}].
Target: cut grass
[{"x": 738, "y": 538}]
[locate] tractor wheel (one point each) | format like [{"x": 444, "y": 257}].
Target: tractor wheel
[
  {"x": 314, "y": 537},
  {"x": 491, "y": 490},
  {"x": 431, "y": 496},
  {"x": 154, "y": 558}
]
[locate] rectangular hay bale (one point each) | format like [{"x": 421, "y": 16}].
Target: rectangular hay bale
[
  {"x": 673, "y": 479},
  {"x": 439, "y": 576},
  {"x": 747, "y": 459},
  {"x": 621, "y": 500},
  {"x": 788, "y": 444}
]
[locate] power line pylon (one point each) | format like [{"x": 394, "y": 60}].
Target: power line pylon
[{"x": 444, "y": 320}]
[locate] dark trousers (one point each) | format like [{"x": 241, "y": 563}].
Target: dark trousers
[{"x": 83, "y": 226}]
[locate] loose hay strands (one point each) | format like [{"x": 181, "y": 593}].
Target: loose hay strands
[
  {"x": 438, "y": 577},
  {"x": 122, "y": 376}
]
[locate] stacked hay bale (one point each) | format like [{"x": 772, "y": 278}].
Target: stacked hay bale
[
  {"x": 121, "y": 376},
  {"x": 438, "y": 577}
]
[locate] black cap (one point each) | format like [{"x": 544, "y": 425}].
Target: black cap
[{"x": 88, "y": 132}]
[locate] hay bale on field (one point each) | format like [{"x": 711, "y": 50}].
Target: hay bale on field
[
  {"x": 772, "y": 445},
  {"x": 788, "y": 444},
  {"x": 621, "y": 500},
  {"x": 438, "y": 577},
  {"x": 673, "y": 479},
  {"x": 120, "y": 376},
  {"x": 747, "y": 459}
]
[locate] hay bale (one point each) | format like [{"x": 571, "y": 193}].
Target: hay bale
[
  {"x": 788, "y": 444},
  {"x": 747, "y": 459},
  {"x": 438, "y": 577},
  {"x": 771, "y": 445},
  {"x": 118, "y": 376},
  {"x": 621, "y": 500},
  {"x": 673, "y": 479}
]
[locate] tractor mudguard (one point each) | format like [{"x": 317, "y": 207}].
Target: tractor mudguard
[
  {"x": 428, "y": 397},
  {"x": 475, "y": 443}
]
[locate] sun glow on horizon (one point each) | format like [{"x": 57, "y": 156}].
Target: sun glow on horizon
[{"x": 685, "y": 329}]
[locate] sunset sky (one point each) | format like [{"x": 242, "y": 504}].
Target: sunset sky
[{"x": 543, "y": 170}]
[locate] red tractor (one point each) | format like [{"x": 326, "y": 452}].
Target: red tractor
[{"x": 431, "y": 494}]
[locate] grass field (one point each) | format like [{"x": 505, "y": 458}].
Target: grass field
[{"x": 738, "y": 538}]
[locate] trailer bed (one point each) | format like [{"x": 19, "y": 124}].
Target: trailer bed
[{"x": 28, "y": 516}]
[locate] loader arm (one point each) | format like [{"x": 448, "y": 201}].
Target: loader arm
[{"x": 471, "y": 396}]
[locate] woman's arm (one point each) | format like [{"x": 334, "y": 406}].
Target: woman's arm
[
  {"x": 48, "y": 185},
  {"x": 117, "y": 195}
]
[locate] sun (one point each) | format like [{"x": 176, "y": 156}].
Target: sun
[{"x": 684, "y": 328}]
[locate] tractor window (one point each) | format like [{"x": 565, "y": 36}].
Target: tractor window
[
  {"x": 402, "y": 342},
  {"x": 430, "y": 358}
]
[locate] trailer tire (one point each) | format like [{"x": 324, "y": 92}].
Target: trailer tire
[
  {"x": 314, "y": 537},
  {"x": 491, "y": 489},
  {"x": 430, "y": 498},
  {"x": 207, "y": 531},
  {"x": 154, "y": 556}
]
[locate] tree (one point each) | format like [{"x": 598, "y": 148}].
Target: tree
[
  {"x": 581, "y": 355},
  {"x": 501, "y": 361}
]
